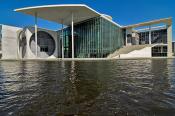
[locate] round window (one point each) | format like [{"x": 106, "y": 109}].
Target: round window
[{"x": 45, "y": 44}]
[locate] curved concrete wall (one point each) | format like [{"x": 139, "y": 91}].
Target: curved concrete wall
[
  {"x": 30, "y": 54},
  {"x": 46, "y": 44},
  {"x": 14, "y": 47}
]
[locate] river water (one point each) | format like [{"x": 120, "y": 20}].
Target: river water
[{"x": 88, "y": 88}]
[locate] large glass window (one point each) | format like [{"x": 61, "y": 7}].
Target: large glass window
[
  {"x": 45, "y": 44},
  {"x": 144, "y": 38},
  {"x": 0, "y": 36},
  {"x": 0, "y": 39},
  {"x": 159, "y": 51},
  {"x": 159, "y": 36},
  {"x": 93, "y": 38}
]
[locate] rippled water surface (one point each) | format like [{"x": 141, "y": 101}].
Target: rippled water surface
[{"x": 92, "y": 88}]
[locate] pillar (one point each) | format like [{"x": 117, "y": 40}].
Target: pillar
[
  {"x": 36, "y": 36},
  {"x": 149, "y": 34},
  {"x": 169, "y": 40},
  {"x": 62, "y": 40},
  {"x": 126, "y": 39},
  {"x": 72, "y": 35}
]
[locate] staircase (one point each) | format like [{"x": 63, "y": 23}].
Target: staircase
[{"x": 127, "y": 49}]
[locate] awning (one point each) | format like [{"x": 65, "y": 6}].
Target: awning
[
  {"x": 165, "y": 20},
  {"x": 61, "y": 13}
]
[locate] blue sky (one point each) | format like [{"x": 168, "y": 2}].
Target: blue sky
[{"x": 123, "y": 12}]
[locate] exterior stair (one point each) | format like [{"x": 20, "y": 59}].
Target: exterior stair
[{"x": 128, "y": 49}]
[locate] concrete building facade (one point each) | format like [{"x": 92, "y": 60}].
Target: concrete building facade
[
  {"x": 19, "y": 43},
  {"x": 85, "y": 33}
]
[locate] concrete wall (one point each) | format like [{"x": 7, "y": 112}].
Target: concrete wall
[
  {"x": 9, "y": 42},
  {"x": 11, "y": 48},
  {"x": 169, "y": 40},
  {"x": 30, "y": 31}
]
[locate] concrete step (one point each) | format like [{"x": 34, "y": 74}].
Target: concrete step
[{"x": 127, "y": 49}]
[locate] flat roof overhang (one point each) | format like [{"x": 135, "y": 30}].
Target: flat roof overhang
[
  {"x": 154, "y": 22},
  {"x": 61, "y": 13}
]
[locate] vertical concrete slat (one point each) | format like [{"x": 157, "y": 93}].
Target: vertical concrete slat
[
  {"x": 36, "y": 35},
  {"x": 72, "y": 35},
  {"x": 169, "y": 40},
  {"x": 62, "y": 40},
  {"x": 150, "y": 34}
]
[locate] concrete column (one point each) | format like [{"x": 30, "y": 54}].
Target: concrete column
[
  {"x": 36, "y": 35},
  {"x": 72, "y": 35},
  {"x": 62, "y": 40},
  {"x": 149, "y": 34},
  {"x": 126, "y": 39},
  {"x": 18, "y": 47},
  {"x": 161, "y": 49},
  {"x": 169, "y": 40}
]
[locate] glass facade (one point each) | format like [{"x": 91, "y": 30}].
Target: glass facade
[
  {"x": 93, "y": 38},
  {"x": 0, "y": 36},
  {"x": 159, "y": 51},
  {"x": 143, "y": 38},
  {"x": 157, "y": 36}
]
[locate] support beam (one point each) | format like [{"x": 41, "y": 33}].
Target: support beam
[
  {"x": 126, "y": 38},
  {"x": 169, "y": 40},
  {"x": 62, "y": 40},
  {"x": 150, "y": 34},
  {"x": 72, "y": 35},
  {"x": 36, "y": 35}
]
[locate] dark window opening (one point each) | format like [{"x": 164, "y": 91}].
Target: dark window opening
[
  {"x": 159, "y": 51},
  {"x": 44, "y": 49}
]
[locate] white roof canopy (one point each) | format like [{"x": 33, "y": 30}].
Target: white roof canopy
[
  {"x": 61, "y": 13},
  {"x": 165, "y": 20}
]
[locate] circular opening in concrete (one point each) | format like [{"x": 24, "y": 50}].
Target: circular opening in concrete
[{"x": 45, "y": 44}]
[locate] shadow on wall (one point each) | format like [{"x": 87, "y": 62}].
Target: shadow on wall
[
  {"x": 46, "y": 44},
  {"x": 22, "y": 43}
]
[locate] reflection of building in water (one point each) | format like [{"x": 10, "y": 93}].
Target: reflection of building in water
[
  {"x": 84, "y": 84},
  {"x": 161, "y": 81},
  {"x": 79, "y": 90},
  {"x": 19, "y": 85},
  {"x": 20, "y": 75}
]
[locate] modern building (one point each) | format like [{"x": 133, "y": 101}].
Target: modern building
[{"x": 85, "y": 33}]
